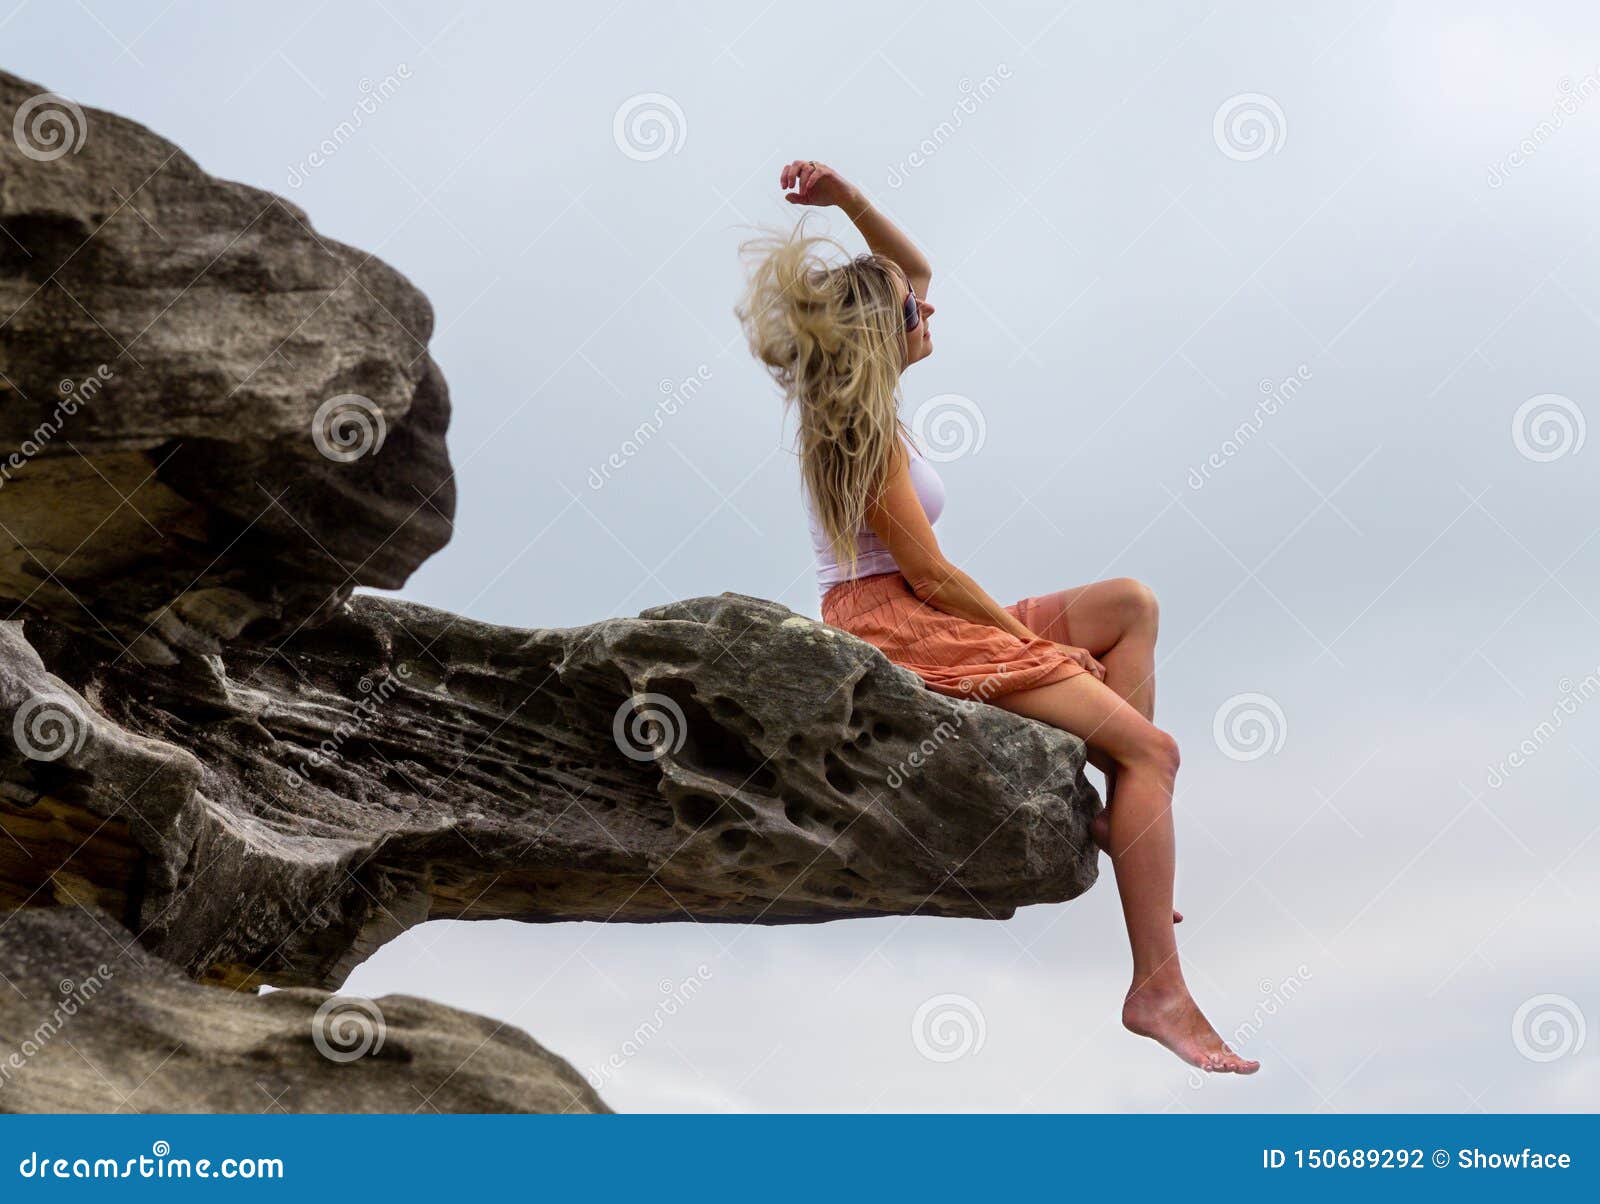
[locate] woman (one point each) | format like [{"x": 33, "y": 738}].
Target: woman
[{"x": 836, "y": 338}]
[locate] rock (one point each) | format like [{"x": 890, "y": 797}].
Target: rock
[
  {"x": 90, "y": 1022},
  {"x": 175, "y": 460},
  {"x": 217, "y": 762},
  {"x": 717, "y": 759}
]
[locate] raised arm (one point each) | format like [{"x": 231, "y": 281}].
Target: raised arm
[{"x": 814, "y": 183}]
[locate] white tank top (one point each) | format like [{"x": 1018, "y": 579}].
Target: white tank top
[{"x": 872, "y": 556}]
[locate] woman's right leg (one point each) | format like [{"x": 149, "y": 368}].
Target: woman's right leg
[{"x": 1142, "y": 848}]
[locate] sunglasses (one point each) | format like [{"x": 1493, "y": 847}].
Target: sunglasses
[{"x": 911, "y": 312}]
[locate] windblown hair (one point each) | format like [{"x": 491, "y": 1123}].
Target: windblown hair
[{"x": 832, "y": 336}]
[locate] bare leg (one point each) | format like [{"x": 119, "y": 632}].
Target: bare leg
[
  {"x": 1143, "y": 855},
  {"x": 1117, "y": 621}
]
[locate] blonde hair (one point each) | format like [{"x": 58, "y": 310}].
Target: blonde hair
[{"x": 832, "y": 336}]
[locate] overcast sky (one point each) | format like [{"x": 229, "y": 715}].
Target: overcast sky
[{"x": 1143, "y": 221}]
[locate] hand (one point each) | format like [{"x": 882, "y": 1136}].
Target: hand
[
  {"x": 1081, "y": 655},
  {"x": 815, "y": 184}
]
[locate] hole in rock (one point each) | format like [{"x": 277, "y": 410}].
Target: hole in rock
[
  {"x": 803, "y": 815},
  {"x": 40, "y": 243},
  {"x": 839, "y": 775},
  {"x": 695, "y": 810},
  {"x": 708, "y": 744}
]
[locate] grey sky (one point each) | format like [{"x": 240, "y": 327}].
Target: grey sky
[{"x": 1411, "y": 585}]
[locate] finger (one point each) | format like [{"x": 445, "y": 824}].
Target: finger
[{"x": 808, "y": 177}]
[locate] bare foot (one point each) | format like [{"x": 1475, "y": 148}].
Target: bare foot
[
  {"x": 1175, "y": 1020},
  {"x": 1100, "y": 830}
]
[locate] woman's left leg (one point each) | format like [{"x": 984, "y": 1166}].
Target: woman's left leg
[{"x": 1116, "y": 621}]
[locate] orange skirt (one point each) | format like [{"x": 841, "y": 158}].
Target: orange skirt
[{"x": 952, "y": 655}]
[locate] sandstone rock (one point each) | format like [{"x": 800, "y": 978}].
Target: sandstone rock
[
  {"x": 173, "y": 348},
  {"x": 90, "y": 1022},
  {"x": 216, "y": 762},
  {"x": 717, "y": 759}
]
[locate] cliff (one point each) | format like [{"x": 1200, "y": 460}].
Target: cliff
[{"x": 219, "y": 425}]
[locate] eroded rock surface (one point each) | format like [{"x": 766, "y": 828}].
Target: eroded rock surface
[
  {"x": 214, "y": 425},
  {"x": 187, "y": 373},
  {"x": 718, "y": 759},
  {"x": 90, "y": 1022}
]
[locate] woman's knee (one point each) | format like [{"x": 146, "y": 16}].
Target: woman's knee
[
  {"x": 1136, "y": 601},
  {"x": 1154, "y": 749}
]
